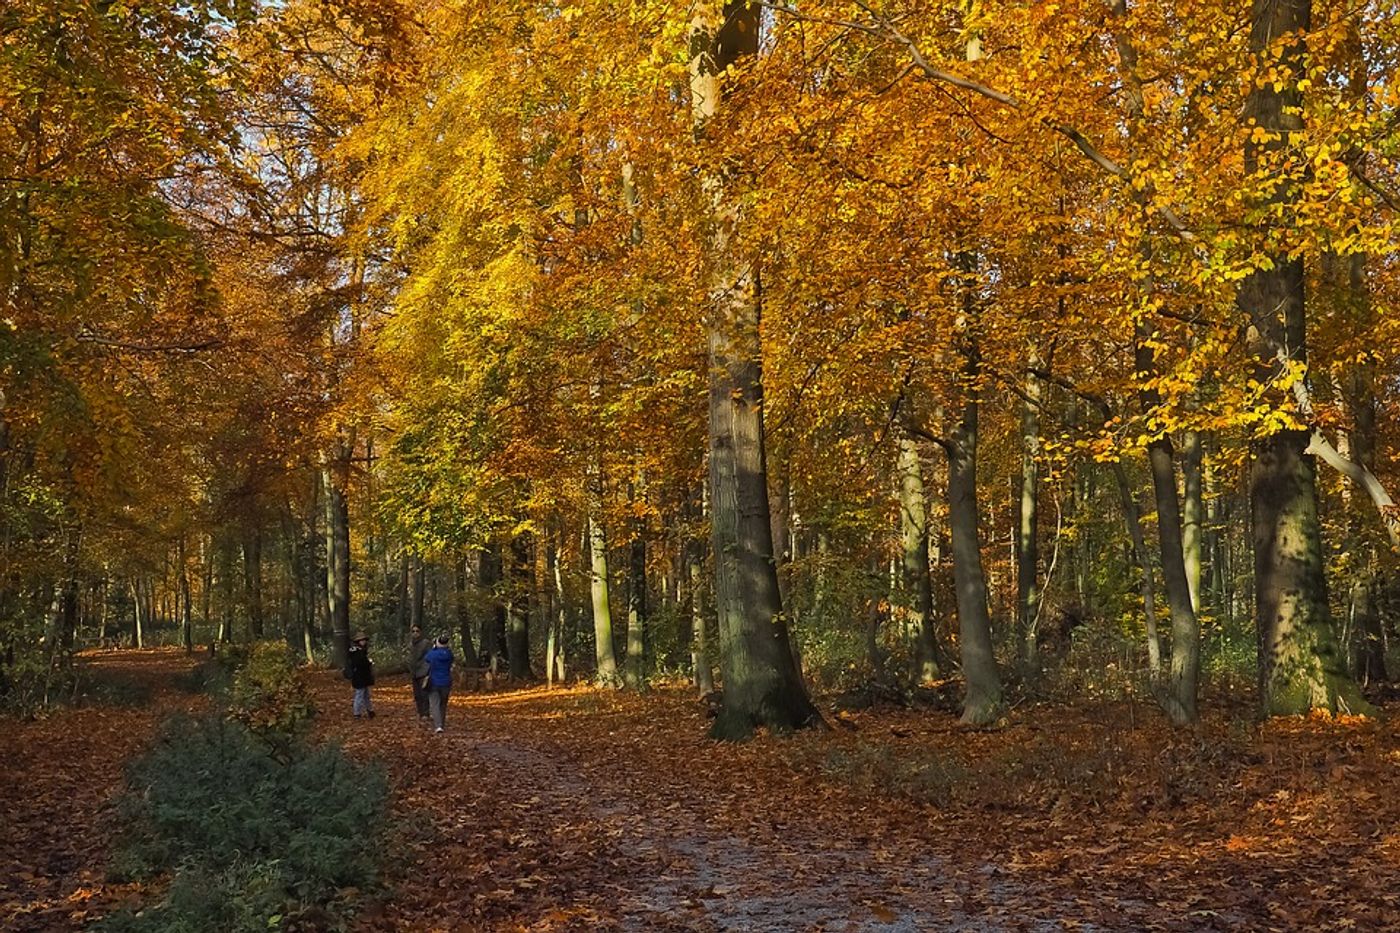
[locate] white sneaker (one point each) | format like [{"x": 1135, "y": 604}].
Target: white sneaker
[{"x": 438, "y": 729}]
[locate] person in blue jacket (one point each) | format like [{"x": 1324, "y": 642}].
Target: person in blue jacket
[{"x": 439, "y": 659}]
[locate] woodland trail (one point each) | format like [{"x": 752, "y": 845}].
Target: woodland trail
[
  {"x": 516, "y": 827},
  {"x": 584, "y": 809},
  {"x": 580, "y": 809}
]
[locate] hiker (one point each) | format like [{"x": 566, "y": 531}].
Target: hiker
[
  {"x": 360, "y": 669},
  {"x": 439, "y": 680},
  {"x": 418, "y": 647}
]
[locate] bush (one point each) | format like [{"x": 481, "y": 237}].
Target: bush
[
  {"x": 266, "y": 695},
  {"x": 250, "y": 839}
]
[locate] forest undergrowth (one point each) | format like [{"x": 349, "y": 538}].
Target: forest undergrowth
[{"x": 585, "y": 809}]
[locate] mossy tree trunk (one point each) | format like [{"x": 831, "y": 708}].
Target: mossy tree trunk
[
  {"x": 1300, "y": 664},
  {"x": 762, "y": 684}
]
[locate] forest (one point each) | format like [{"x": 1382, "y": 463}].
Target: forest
[{"x": 947, "y": 370}]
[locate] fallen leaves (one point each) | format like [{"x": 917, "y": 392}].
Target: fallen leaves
[{"x": 582, "y": 810}]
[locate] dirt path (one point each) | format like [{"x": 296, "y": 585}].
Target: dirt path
[
  {"x": 60, "y": 774},
  {"x": 517, "y": 821}
]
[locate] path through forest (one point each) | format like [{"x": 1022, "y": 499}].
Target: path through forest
[
  {"x": 581, "y": 809},
  {"x": 513, "y": 825}
]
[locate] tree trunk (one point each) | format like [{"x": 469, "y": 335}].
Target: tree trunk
[
  {"x": 1027, "y": 540},
  {"x": 464, "y": 617},
  {"x": 1132, "y": 517},
  {"x": 699, "y": 625},
  {"x": 68, "y": 611},
  {"x": 1192, "y": 512},
  {"x": 418, "y": 586},
  {"x": 337, "y": 558},
  {"x": 555, "y": 668},
  {"x": 762, "y": 683},
  {"x": 186, "y": 612},
  {"x": 520, "y": 585},
  {"x": 1300, "y": 665},
  {"x": 918, "y": 579},
  {"x": 983, "y": 704},
  {"x": 635, "y": 672},
  {"x": 138, "y": 633},
  {"x": 492, "y": 622},
  {"x": 606, "y": 674},
  {"x": 252, "y": 582}
]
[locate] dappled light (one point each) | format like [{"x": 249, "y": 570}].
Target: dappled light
[{"x": 727, "y": 465}]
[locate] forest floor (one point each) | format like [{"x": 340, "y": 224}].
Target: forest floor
[{"x": 581, "y": 809}]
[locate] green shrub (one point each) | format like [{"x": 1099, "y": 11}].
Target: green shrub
[
  {"x": 249, "y": 838},
  {"x": 266, "y": 695}
]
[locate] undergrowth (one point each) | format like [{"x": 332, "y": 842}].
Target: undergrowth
[{"x": 253, "y": 826}]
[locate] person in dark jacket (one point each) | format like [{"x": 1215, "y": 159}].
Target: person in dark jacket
[
  {"x": 418, "y": 647},
  {"x": 361, "y": 670},
  {"x": 439, "y": 660}
]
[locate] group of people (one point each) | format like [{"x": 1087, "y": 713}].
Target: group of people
[{"x": 429, "y": 665}]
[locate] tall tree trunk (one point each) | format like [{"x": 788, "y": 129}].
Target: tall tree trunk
[
  {"x": 983, "y": 703},
  {"x": 1300, "y": 665},
  {"x": 1132, "y": 518},
  {"x": 699, "y": 624},
  {"x": 762, "y": 683},
  {"x": 1192, "y": 512},
  {"x": 417, "y": 575},
  {"x": 139, "y": 622},
  {"x": 520, "y": 585},
  {"x": 252, "y": 581},
  {"x": 1027, "y": 525},
  {"x": 492, "y": 621},
  {"x": 334, "y": 477},
  {"x": 602, "y": 603},
  {"x": 186, "y": 612},
  {"x": 463, "y": 609},
  {"x": 68, "y": 611},
  {"x": 555, "y": 669},
  {"x": 918, "y": 579},
  {"x": 635, "y": 672}
]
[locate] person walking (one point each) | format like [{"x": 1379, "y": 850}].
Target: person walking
[
  {"x": 361, "y": 671},
  {"x": 418, "y": 648},
  {"x": 439, "y": 659}
]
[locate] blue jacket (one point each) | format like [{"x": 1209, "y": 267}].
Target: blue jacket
[{"x": 439, "y": 666}]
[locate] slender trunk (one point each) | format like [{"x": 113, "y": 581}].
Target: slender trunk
[
  {"x": 252, "y": 582},
  {"x": 556, "y": 671},
  {"x": 700, "y": 647},
  {"x": 464, "y": 617},
  {"x": 1192, "y": 512},
  {"x": 186, "y": 613},
  {"x": 138, "y": 634},
  {"x": 635, "y": 672},
  {"x": 417, "y": 574},
  {"x": 68, "y": 611},
  {"x": 333, "y": 479},
  {"x": 492, "y": 619},
  {"x": 520, "y": 585},
  {"x": 602, "y": 606},
  {"x": 1132, "y": 517},
  {"x": 1027, "y": 541},
  {"x": 918, "y": 579}
]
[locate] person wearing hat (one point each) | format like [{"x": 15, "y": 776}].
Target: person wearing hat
[
  {"x": 439, "y": 660},
  {"x": 361, "y": 670}
]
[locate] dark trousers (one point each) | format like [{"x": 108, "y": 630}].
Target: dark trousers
[{"x": 420, "y": 697}]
